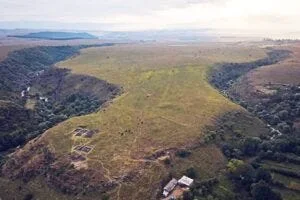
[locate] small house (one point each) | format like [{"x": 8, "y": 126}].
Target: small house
[
  {"x": 169, "y": 187},
  {"x": 185, "y": 181}
]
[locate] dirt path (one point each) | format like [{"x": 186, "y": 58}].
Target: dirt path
[
  {"x": 108, "y": 173},
  {"x": 173, "y": 121}
]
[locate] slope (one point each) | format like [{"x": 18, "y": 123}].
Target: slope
[{"x": 166, "y": 106}]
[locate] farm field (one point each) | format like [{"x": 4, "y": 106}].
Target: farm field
[{"x": 166, "y": 104}]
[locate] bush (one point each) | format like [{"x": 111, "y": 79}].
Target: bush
[
  {"x": 241, "y": 173},
  {"x": 234, "y": 164},
  {"x": 191, "y": 172},
  {"x": 167, "y": 161},
  {"x": 182, "y": 153},
  {"x": 284, "y": 127},
  {"x": 105, "y": 197},
  {"x": 274, "y": 120},
  {"x": 187, "y": 195},
  {"x": 283, "y": 115},
  {"x": 262, "y": 174},
  {"x": 251, "y": 146},
  {"x": 28, "y": 197}
]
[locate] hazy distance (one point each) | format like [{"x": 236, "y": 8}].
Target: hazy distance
[{"x": 267, "y": 18}]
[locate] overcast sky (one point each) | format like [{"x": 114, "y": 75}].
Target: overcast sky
[{"x": 251, "y": 15}]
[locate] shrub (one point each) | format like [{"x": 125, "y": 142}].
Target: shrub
[
  {"x": 187, "y": 195},
  {"x": 262, "y": 174},
  {"x": 28, "y": 197},
  {"x": 167, "y": 161},
  {"x": 182, "y": 153},
  {"x": 251, "y": 146},
  {"x": 191, "y": 172},
  {"x": 283, "y": 115},
  {"x": 105, "y": 197}
]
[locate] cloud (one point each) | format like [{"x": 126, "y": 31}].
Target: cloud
[
  {"x": 254, "y": 15},
  {"x": 86, "y": 8}
]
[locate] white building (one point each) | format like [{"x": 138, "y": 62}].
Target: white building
[
  {"x": 185, "y": 181},
  {"x": 23, "y": 93},
  {"x": 169, "y": 187}
]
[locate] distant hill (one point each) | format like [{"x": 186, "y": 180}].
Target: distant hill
[{"x": 57, "y": 35}]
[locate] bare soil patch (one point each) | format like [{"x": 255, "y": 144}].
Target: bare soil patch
[
  {"x": 82, "y": 132},
  {"x": 83, "y": 148}
]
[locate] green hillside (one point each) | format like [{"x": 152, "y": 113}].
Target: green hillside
[{"x": 166, "y": 106}]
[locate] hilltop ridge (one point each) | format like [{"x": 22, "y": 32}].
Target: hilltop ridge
[{"x": 49, "y": 35}]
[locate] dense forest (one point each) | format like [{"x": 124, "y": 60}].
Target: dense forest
[
  {"x": 20, "y": 67},
  {"x": 255, "y": 163},
  {"x": 28, "y": 75}
]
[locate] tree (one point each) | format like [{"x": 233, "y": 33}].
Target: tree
[
  {"x": 242, "y": 173},
  {"x": 275, "y": 120},
  {"x": 187, "y": 195},
  {"x": 262, "y": 191},
  {"x": 234, "y": 164},
  {"x": 191, "y": 172},
  {"x": 28, "y": 197},
  {"x": 182, "y": 153},
  {"x": 250, "y": 146},
  {"x": 283, "y": 115},
  {"x": 262, "y": 174}
]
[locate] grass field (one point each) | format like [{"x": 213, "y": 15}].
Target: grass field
[
  {"x": 166, "y": 103},
  {"x": 9, "y": 44}
]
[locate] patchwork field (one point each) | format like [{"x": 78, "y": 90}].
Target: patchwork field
[{"x": 166, "y": 104}]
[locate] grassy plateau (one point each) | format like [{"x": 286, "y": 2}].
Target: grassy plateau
[{"x": 166, "y": 103}]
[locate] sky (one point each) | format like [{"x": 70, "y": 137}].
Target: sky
[{"x": 252, "y": 16}]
